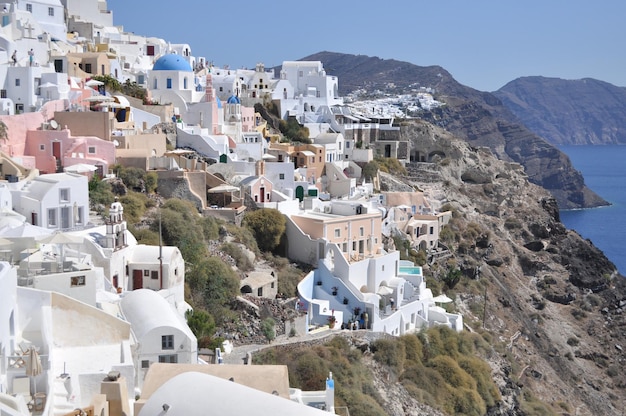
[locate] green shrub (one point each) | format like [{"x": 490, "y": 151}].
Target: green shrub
[
  {"x": 268, "y": 227},
  {"x": 451, "y": 372},
  {"x": 413, "y": 349},
  {"x": 267, "y": 327}
]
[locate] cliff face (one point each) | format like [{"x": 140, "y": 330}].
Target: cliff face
[
  {"x": 585, "y": 111},
  {"x": 478, "y": 117},
  {"x": 552, "y": 298}
]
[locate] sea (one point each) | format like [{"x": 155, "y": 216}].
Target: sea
[{"x": 604, "y": 170}]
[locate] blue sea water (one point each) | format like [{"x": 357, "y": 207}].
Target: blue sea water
[{"x": 604, "y": 170}]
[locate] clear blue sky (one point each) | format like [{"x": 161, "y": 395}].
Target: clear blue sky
[{"x": 483, "y": 44}]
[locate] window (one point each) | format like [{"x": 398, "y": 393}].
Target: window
[
  {"x": 167, "y": 342},
  {"x": 361, "y": 231},
  {"x": 432, "y": 230},
  {"x": 3, "y": 93},
  {"x": 146, "y": 272},
  {"x": 145, "y": 363},
  {"x": 172, "y": 358},
  {"x": 64, "y": 195},
  {"x": 259, "y": 292},
  {"x": 272, "y": 285},
  {"x": 337, "y": 233},
  {"x": 29, "y": 7},
  {"x": 150, "y": 50},
  {"x": 88, "y": 68},
  {"x": 17, "y": 82},
  {"x": 154, "y": 275},
  {"x": 77, "y": 281},
  {"x": 185, "y": 83},
  {"x": 52, "y": 217},
  {"x": 169, "y": 83},
  {"x": 281, "y": 176},
  {"x": 42, "y": 147},
  {"x": 354, "y": 246},
  {"x": 155, "y": 84},
  {"x": 50, "y": 11},
  {"x": 91, "y": 150},
  {"x": 347, "y": 145}
]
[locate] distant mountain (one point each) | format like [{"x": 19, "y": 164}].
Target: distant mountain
[
  {"x": 476, "y": 116},
  {"x": 584, "y": 111}
]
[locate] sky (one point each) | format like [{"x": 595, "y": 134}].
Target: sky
[{"x": 484, "y": 44}]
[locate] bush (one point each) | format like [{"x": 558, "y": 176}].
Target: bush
[
  {"x": 268, "y": 227},
  {"x": 389, "y": 352},
  {"x": 267, "y": 327},
  {"x": 100, "y": 192}
]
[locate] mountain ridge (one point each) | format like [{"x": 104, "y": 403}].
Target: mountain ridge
[{"x": 568, "y": 112}]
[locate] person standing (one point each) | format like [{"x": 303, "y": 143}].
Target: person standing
[
  {"x": 31, "y": 56},
  {"x": 14, "y": 57}
]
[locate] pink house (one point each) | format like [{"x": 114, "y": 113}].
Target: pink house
[{"x": 55, "y": 149}]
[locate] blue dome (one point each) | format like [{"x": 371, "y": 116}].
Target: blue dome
[
  {"x": 171, "y": 62},
  {"x": 219, "y": 102},
  {"x": 233, "y": 99}
]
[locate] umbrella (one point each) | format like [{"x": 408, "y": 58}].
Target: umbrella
[
  {"x": 98, "y": 98},
  {"x": 384, "y": 290},
  {"x": 61, "y": 239},
  {"x": 222, "y": 188},
  {"x": 94, "y": 83},
  {"x": 33, "y": 366},
  {"x": 5, "y": 242},
  {"x": 24, "y": 230},
  {"x": 80, "y": 168},
  {"x": 442, "y": 299},
  {"x": 110, "y": 104}
]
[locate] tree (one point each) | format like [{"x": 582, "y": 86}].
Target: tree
[
  {"x": 216, "y": 281},
  {"x": 200, "y": 322},
  {"x": 370, "y": 170},
  {"x": 100, "y": 192},
  {"x": 268, "y": 226}
]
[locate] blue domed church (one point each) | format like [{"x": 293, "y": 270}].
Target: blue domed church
[{"x": 172, "y": 80}]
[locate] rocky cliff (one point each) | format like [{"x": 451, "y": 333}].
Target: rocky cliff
[
  {"x": 551, "y": 300},
  {"x": 478, "y": 117},
  {"x": 584, "y": 111}
]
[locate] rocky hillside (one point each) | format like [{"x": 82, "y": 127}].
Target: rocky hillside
[
  {"x": 478, "y": 117},
  {"x": 584, "y": 111},
  {"x": 551, "y": 299}
]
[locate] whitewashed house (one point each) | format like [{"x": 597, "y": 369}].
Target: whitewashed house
[
  {"x": 161, "y": 333},
  {"x": 58, "y": 201}
]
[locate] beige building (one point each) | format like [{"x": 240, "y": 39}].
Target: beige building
[{"x": 349, "y": 225}]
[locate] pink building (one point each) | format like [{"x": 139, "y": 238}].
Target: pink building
[{"x": 55, "y": 149}]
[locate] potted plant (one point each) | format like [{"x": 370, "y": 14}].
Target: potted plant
[
  {"x": 331, "y": 321},
  {"x": 335, "y": 289},
  {"x": 345, "y": 300},
  {"x": 357, "y": 311},
  {"x": 319, "y": 282}
]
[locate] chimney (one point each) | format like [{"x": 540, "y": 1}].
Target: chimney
[{"x": 260, "y": 168}]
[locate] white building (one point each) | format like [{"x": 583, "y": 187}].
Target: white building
[
  {"x": 57, "y": 201},
  {"x": 162, "y": 335},
  {"x": 303, "y": 88}
]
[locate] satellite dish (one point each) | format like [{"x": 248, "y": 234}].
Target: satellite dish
[
  {"x": 116, "y": 143},
  {"x": 54, "y": 125}
]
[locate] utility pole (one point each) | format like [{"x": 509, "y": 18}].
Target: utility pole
[{"x": 161, "y": 253}]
